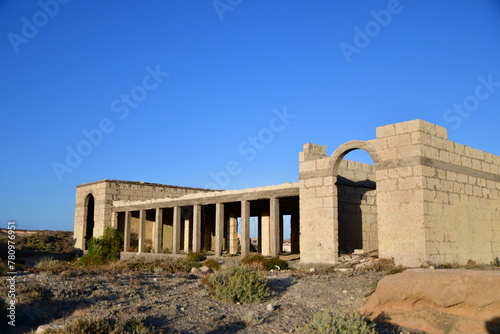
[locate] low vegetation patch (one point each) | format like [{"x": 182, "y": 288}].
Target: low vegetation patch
[
  {"x": 41, "y": 241},
  {"x": 195, "y": 257},
  {"x": 386, "y": 265},
  {"x": 104, "y": 249},
  {"x": 237, "y": 284},
  {"x": 51, "y": 265},
  {"x": 3, "y": 268},
  {"x": 212, "y": 264},
  {"x": 32, "y": 292},
  {"x": 262, "y": 263},
  {"x": 104, "y": 326},
  {"x": 334, "y": 321},
  {"x": 275, "y": 263}
]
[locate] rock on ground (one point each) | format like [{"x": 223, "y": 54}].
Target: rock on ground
[{"x": 439, "y": 301}]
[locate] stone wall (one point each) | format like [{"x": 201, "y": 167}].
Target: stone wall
[
  {"x": 462, "y": 203},
  {"x": 400, "y": 192},
  {"x": 105, "y": 192},
  {"x": 357, "y": 207},
  {"x": 318, "y": 207},
  {"x": 338, "y": 213},
  {"x": 438, "y": 197},
  {"x": 436, "y": 201}
]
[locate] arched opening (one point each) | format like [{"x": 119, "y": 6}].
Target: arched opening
[
  {"x": 89, "y": 218},
  {"x": 357, "y": 198}
]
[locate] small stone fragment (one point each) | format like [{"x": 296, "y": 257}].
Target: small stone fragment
[
  {"x": 49, "y": 327},
  {"x": 205, "y": 270}
]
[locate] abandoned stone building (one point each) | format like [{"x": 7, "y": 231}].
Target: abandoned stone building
[{"x": 424, "y": 199}]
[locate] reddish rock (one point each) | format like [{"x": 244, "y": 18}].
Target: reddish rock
[{"x": 439, "y": 301}]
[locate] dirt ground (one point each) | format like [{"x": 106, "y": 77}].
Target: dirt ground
[{"x": 178, "y": 302}]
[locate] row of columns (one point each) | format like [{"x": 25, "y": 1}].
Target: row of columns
[{"x": 270, "y": 224}]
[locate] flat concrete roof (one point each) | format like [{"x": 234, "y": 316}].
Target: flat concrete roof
[{"x": 222, "y": 196}]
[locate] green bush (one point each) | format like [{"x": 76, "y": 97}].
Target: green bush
[
  {"x": 237, "y": 284},
  {"x": 212, "y": 264},
  {"x": 104, "y": 249},
  {"x": 275, "y": 263},
  {"x": 336, "y": 322}
]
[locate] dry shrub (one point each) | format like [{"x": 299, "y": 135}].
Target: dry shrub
[
  {"x": 385, "y": 265},
  {"x": 471, "y": 264},
  {"x": 237, "y": 284},
  {"x": 156, "y": 266},
  {"x": 195, "y": 257},
  {"x": 32, "y": 292},
  {"x": 255, "y": 260},
  {"x": 337, "y": 322},
  {"x": 4, "y": 269},
  {"x": 252, "y": 319},
  {"x": 105, "y": 326},
  {"x": 51, "y": 266},
  {"x": 262, "y": 263},
  {"x": 212, "y": 264}
]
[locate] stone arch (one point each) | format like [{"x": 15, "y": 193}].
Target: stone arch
[
  {"x": 356, "y": 221},
  {"x": 89, "y": 218},
  {"x": 352, "y": 145}
]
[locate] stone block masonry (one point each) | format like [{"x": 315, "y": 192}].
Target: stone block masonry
[{"x": 425, "y": 199}]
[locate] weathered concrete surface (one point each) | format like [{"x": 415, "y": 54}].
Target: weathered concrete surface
[{"x": 439, "y": 301}]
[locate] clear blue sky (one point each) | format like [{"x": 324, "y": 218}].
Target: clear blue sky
[{"x": 177, "y": 89}]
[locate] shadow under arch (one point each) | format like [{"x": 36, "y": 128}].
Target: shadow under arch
[
  {"x": 356, "y": 222},
  {"x": 89, "y": 218}
]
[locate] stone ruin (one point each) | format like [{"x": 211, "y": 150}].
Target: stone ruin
[{"x": 424, "y": 200}]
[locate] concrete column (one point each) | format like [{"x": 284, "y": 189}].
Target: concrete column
[
  {"x": 233, "y": 234},
  {"x": 219, "y": 228},
  {"x": 295, "y": 233},
  {"x": 187, "y": 234},
  {"x": 196, "y": 228},
  {"x": 142, "y": 230},
  {"x": 114, "y": 219},
  {"x": 158, "y": 230},
  {"x": 176, "y": 233},
  {"x": 259, "y": 233},
  {"x": 280, "y": 233},
  {"x": 274, "y": 227},
  {"x": 265, "y": 236},
  {"x": 245, "y": 228},
  {"x": 126, "y": 232}
]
